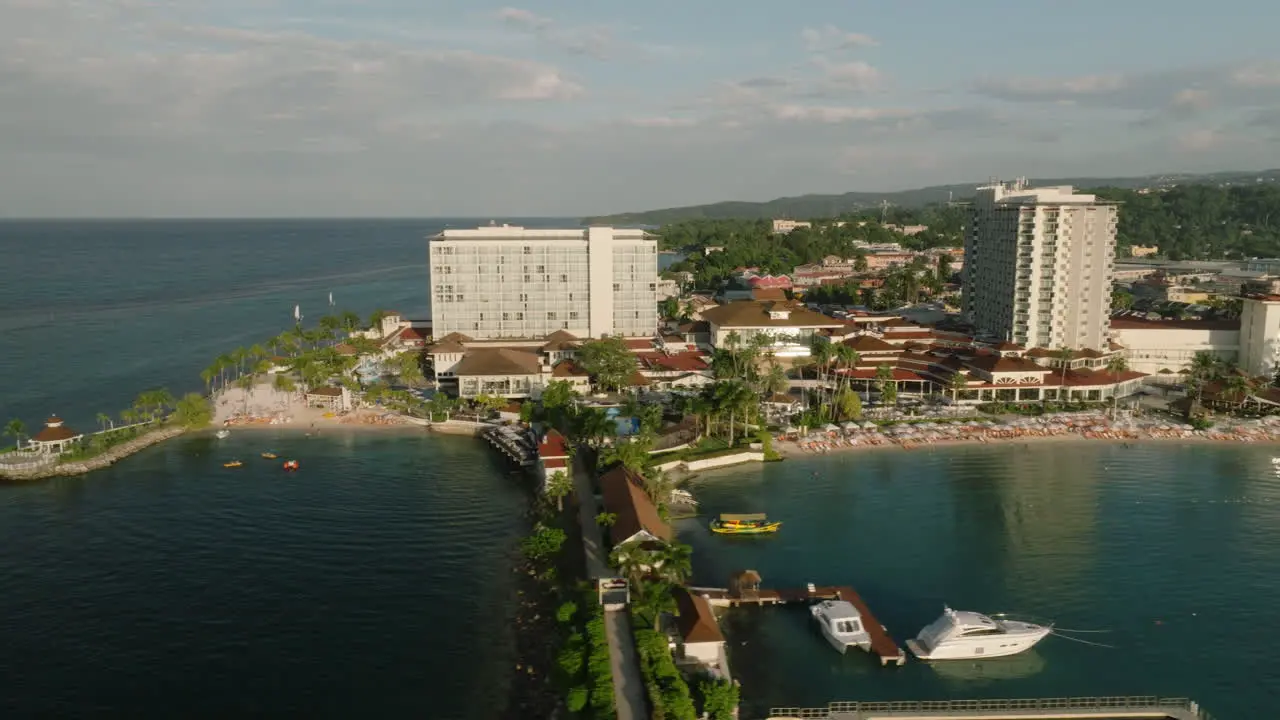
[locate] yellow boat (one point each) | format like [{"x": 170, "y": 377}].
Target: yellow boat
[
  {"x": 754, "y": 524},
  {"x": 233, "y": 463},
  {"x": 270, "y": 456}
]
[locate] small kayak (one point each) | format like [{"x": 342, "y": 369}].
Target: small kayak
[
  {"x": 290, "y": 464},
  {"x": 270, "y": 456},
  {"x": 232, "y": 464}
]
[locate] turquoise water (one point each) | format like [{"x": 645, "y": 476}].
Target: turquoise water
[
  {"x": 374, "y": 582},
  {"x": 1174, "y": 550}
]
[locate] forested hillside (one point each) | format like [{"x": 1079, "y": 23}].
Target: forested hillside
[{"x": 1201, "y": 222}]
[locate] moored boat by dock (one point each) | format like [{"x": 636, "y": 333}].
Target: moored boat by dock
[
  {"x": 736, "y": 524},
  {"x": 841, "y": 624},
  {"x": 961, "y": 634}
]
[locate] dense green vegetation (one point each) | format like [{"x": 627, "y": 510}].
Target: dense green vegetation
[
  {"x": 1201, "y": 222},
  {"x": 1186, "y": 222},
  {"x": 828, "y": 206}
]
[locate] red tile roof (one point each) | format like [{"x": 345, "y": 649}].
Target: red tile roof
[
  {"x": 870, "y": 344},
  {"x": 999, "y": 364},
  {"x": 552, "y": 445},
  {"x": 677, "y": 362},
  {"x": 696, "y": 621},
  {"x": 555, "y": 463},
  {"x": 624, "y": 496},
  {"x": 568, "y": 368},
  {"x": 639, "y": 343}
]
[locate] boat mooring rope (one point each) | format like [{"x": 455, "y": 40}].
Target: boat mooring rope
[
  {"x": 1085, "y": 642},
  {"x": 1080, "y": 631}
]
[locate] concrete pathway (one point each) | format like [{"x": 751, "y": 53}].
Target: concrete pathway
[{"x": 628, "y": 684}]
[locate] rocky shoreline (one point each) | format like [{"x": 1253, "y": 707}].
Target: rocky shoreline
[
  {"x": 533, "y": 693},
  {"x": 81, "y": 467}
]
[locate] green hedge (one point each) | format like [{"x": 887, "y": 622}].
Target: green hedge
[
  {"x": 668, "y": 691},
  {"x": 582, "y": 665}
]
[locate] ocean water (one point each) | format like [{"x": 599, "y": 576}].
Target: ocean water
[
  {"x": 1172, "y": 550},
  {"x": 374, "y": 582}
]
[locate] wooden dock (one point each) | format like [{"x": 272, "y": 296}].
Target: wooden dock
[{"x": 882, "y": 644}]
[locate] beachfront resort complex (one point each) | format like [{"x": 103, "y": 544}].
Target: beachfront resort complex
[{"x": 514, "y": 282}]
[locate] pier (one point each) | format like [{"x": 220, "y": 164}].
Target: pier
[
  {"x": 1150, "y": 707},
  {"x": 518, "y": 446},
  {"x": 746, "y": 591}
]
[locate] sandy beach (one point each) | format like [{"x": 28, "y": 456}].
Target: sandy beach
[
  {"x": 268, "y": 408},
  {"x": 1062, "y": 427}
]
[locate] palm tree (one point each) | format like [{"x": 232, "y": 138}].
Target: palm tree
[
  {"x": 103, "y": 420},
  {"x": 634, "y": 559},
  {"x": 559, "y": 485},
  {"x": 776, "y": 380},
  {"x": 1204, "y": 367},
  {"x": 15, "y": 429},
  {"x": 1116, "y": 365},
  {"x": 849, "y": 358},
  {"x": 655, "y": 598},
  {"x": 888, "y": 389},
  {"x": 822, "y": 353},
  {"x": 1237, "y": 387},
  {"x": 957, "y": 383},
  {"x": 674, "y": 562},
  {"x": 1064, "y": 356}
]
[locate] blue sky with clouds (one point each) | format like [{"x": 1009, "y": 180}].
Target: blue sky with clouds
[{"x": 402, "y": 107}]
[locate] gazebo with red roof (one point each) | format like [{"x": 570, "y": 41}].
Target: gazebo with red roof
[{"x": 55, "y": 438}]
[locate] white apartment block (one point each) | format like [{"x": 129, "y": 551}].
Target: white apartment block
[
  {"x": 1038, "y": 264},
  {"x": 513, "y": 282},
  {"x": 1260, "y": 335}
]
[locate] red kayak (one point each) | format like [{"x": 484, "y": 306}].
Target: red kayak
[{"x": 290, "y": 464}]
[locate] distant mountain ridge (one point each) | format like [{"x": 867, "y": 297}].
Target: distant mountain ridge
[{"x": 816, "y": 206}]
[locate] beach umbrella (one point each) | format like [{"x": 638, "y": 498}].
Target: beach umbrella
[
  {"x": 850, "y": 425},
  {"x": 789, "y": 430},
  {"x": 831, "y": 427},
  {"x": 868, "y": 425}
]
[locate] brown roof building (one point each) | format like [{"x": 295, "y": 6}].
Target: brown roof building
[
  {"x": 54, "y": 438},
  {"x": 636, "y": 517},
  {"x": 498, "y": 361}
]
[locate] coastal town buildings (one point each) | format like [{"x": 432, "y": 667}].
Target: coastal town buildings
[
  {"x": 514, "y": 282},
  {"x": 783, "y": 227},
  {"x": 1038, "y": 265}
]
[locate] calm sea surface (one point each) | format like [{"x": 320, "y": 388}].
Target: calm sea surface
[
  {"x": 1173, "y": 550},
  {"x": 377, "y": 581}
]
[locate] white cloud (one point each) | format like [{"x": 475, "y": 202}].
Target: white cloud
[
  {"x": 1198, "y": 141},
  {"x": 593, "y": 41},
  {"x": 852, "y": 75},
  {"x": 829, "y": 38},
  {"x": 827, "y": 114},
  {"x": 1260, "y": 75},
  {"x": 1192, "y": 99},
  {"x": 1043, "y": 88},
  {"x": 662, "y": 121}
]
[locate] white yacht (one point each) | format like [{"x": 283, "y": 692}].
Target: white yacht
[
  {"x": 965, "y": 635},
  {"x": 841, "y": 624}
]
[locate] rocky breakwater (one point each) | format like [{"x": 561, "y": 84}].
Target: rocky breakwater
[{"x": 32, "y": 471}]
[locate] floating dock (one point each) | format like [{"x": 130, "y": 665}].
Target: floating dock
[
  {"x": 1075, "y": 708},
  {"x": 518, "y": 446},
  {"x": 746, "y": 591}
]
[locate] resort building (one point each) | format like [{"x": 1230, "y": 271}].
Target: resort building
[
  {"x": 329, "y": 397},
  {"x": 1260, "y": 335},
  {"x": 523, "y": 368},
  {"x": 789, "y": 326},
  {"x": 1164, "y": 347},
  {"x": 636, "y": 518},
  {"x": 1038, "y": 265},
  {"x": 514, "y": 282},
  {"x": 700, "y": 640},
  {"x": 55, "y": 438},
  {"x": 553, "y": 455},
  {"x": 923, "y": 361}
]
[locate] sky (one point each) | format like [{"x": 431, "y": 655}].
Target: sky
[{"x": 417, "y": 108}]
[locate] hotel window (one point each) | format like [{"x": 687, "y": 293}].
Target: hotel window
[
  {"x": 519, "y": 316},
  {"x": 542, "y": 268},
  {"x": 528, "y": 250},
  {"x": 526, "y": 278},
  {"x": 573, "y": 314},
  {"x": 551, "y": 316},
  {"x": 617, "y": 287},
  {"x": 506, "y": 316},
  {"x": 564, "y": 278},
  {"x": 653, "y": 286},
  {"x": 459, "y": 297}
]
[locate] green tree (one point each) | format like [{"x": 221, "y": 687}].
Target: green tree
[
  {"x": 543, "y": 544},
  {"x": 633, "y": 455},
  {"x": 775, "y": 381},
  {"x": 103, "y": 421},
  {"x": 669, "y": 308},
  {"x": 957, "y": 384},
  {"x": 719, "y": 698},
  {"x": 558, "y": 486},
  {"x": 609, "y": 361},
  {"x": 350, "y": 321},
  {"x": 634, "y": 559},
  {"x": 1116, "y": 365},
  {"x": 375, "y": 320},
  {"x": 848, "y": 404},
  {"x": 653, "y": 599},
  {"x": 193, "y": 411},
  {"x": 16, "y": 429},
  {"x": 1064, "y": 356},
  {"x": 558, "y": 394}
]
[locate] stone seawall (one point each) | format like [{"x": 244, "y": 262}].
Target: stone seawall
[
  {"x": 713, "y": 462},
  {"x": 80, "y": 467}
]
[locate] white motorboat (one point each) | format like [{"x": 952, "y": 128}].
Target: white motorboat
[
  {"x": 682, "y": 497},
  {"x": 841, "y": 624},
  {"x": 222, "y": 434},
  {"x": 966, "y": 635}
]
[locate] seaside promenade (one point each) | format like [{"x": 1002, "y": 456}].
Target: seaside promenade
[{"x": 628, "y": 684}]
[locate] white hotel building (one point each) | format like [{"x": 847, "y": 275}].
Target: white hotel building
[
  {"x": 1038, "y": 264},
  {"x": 513, "y": 282}
]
